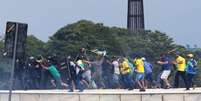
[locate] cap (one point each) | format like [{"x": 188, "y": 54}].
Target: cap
[
  {"x": 190, "y": 55},
  {"x": 143, "y": 58}
]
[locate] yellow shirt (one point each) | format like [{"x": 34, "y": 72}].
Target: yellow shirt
[
  {"x": 124, "y": 67},
  {"x": 181, "y": 63},
  {"x": 139, "y": 65}
]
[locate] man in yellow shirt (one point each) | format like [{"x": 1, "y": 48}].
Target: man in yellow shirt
[
  {"x": 180, "y": 63},
  {"x": 125, "y": 70},
  {"x": 125, "y": 67},
  {"x": 140, "y": 72}
]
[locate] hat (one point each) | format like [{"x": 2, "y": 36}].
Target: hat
[
  {"x": 190, "y": 55},
  {"x": 143, "y": 58}
]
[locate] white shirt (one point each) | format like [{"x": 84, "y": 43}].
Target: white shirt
[{"x": 116, "y": 67}]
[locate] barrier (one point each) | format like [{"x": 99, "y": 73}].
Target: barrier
[{"x": 104, "y": 95}]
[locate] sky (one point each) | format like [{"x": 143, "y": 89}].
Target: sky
[{"x": 180, "y": 19}]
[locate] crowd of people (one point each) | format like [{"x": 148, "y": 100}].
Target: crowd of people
[{"x": 82, "y": 72}]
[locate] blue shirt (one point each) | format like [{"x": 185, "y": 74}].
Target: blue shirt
[
  {"x": 166, "y": 66},
  {"x": 148, "y": 67},
  {"x": 191, "y": 66}
]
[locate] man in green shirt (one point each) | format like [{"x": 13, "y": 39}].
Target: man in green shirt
[{"x": 48, "y": 65}]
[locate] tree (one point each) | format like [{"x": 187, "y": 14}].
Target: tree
[
  {"x": 69, "y": 39},
  {"x": 117, "y": 41},
  {"x": 34, "y": 46}
]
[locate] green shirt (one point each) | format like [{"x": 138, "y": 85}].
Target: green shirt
[{"x": 53, "y": 71}]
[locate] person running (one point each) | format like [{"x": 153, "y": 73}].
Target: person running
[
  {"x": 180, "y": 63},
  {"x": 97, "y": 75},
  {"x": 190, "y": 70},
  {"x": 148, "y": 73},
  {"x": 45, "y": 74},
  {"x": 139, "y": 64},
  {"x": 54, "y": 72},
  {"x": 80, "y": 70},
  {"x": 166, "y": 69},
  {"x": 70, "y": 69},
  {"x": 116, "y": 75},
  {"x": 87, "y": 75},
  {"x": 108, "y": 73},
  {"x": 125, "y": 70},
  {"x": 34, "y": 73}
]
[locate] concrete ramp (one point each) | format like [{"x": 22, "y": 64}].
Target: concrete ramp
[{"x": 105, "y": 95}]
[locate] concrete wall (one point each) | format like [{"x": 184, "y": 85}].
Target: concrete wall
[{"x": 100, "y": 97}]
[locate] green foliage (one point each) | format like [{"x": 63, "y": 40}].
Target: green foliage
[
  {"x": 117, "y": 41},
  {"x": 197, "y": 52},
  {"x": 34, "y": 46}
]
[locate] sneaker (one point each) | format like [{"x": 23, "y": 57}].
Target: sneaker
[
  {"x": 142, "y": 90},
  {"x": 71, "y": 90},
  {"x": 194, "y": 86},
  {"x": 187, "y": 89},
  {"x": 167, "y": 87},
  {"x": 81, "y": 90},
  {"x": 130, "y": 89}
]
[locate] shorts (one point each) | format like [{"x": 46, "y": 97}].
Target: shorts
[
  {"x": 148, "y": 77},
  {"x": 165, "y": 74},
  {"x": 139, "y": 76}
]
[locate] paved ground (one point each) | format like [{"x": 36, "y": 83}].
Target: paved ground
[{"x": 111, "y": 91}]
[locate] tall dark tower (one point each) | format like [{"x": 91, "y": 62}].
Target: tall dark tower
[
  {"x": 135, "y": 20},
  {"x": 17, "y": 33}
]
